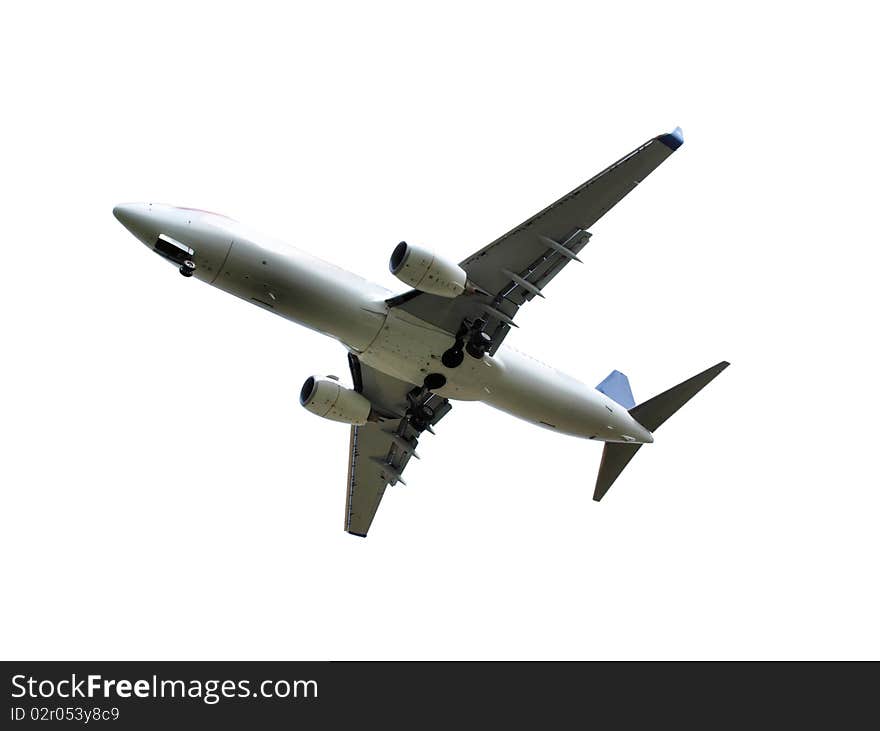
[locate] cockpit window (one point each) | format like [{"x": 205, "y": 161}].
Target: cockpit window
[{"x": 172, "y": 249}]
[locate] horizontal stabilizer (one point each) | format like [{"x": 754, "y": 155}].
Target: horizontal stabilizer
[
  {"x": 616, "y": 386},
  {"x": 614, "y": 458},
  {"x": 653, "y": 413},
  {"x": 650, "y": 415}
]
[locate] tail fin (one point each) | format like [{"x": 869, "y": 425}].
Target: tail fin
[
  {"x": 616, "y": 387},
  {"x": 650, "y": 415}
]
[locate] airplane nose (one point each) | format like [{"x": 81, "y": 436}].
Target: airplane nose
[
  {"x": 139, "y": 219},
  {"x": 125, "y": 213}
]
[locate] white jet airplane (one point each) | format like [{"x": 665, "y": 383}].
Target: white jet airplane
[{"x": 411, "y": 354}]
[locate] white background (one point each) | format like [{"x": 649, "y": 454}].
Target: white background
[{"x": 165, "y": 496}]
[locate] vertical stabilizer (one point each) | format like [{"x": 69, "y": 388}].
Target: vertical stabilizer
[{"x": 616, "y": 387}]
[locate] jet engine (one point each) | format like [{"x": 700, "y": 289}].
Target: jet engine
[
  {"x": 425, "y": 271},
  {"x": 325, "y": 397}
]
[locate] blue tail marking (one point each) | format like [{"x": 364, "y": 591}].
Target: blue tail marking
[{"x": 616, "y": 386}]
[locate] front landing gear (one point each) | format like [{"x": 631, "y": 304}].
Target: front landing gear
[{"x": 188, "y": 268}]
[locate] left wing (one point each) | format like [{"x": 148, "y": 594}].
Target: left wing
[
  {"x": 380, "y": 450},
  {"x": 513, "y": 269}
]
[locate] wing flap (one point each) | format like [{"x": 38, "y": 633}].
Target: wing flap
[
  {"x": 380, "y": 450},
  {"x": 370, "y": 447}
]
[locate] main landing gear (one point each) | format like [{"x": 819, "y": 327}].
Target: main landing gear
[
  {"x": 188, "y": 268},
  {"x": 471, "y": 338},
  {"x": 453, "y": 357},
  {"x": 420, "y": 412}
]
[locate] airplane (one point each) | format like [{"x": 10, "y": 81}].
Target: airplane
[{"x": 411, "y": 354}]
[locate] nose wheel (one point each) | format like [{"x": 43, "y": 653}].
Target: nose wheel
[{"x": 188, "y": 268}]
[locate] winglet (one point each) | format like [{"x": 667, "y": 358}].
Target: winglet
[{"x": 673, "y": 140}]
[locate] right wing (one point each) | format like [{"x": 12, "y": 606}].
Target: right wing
[
  {"x": 379, "y": 451},
  {"x": 513, "y": 269}
]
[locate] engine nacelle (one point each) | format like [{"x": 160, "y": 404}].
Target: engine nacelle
[
  {"x": 325, "y": 397},
  {"x": 425, "y": 271}
]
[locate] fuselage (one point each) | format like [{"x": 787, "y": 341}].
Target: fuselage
[{"x": 352, "y": 310}]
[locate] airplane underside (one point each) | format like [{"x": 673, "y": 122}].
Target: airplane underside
[{"x": 443, "y": 340}]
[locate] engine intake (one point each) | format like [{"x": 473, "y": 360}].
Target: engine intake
[
  {"x": 423, "y": 270},
  {"x": 326, "y": 398}
]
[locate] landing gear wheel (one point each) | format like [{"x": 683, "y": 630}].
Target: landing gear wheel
[
  {"x": 188, "y": 268},
  {"x": 452, "y": 358},
  {"x": 433, "y": 381},
  {"x": 421, "y": 417},
  {"x": 479, "y": 343}
]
